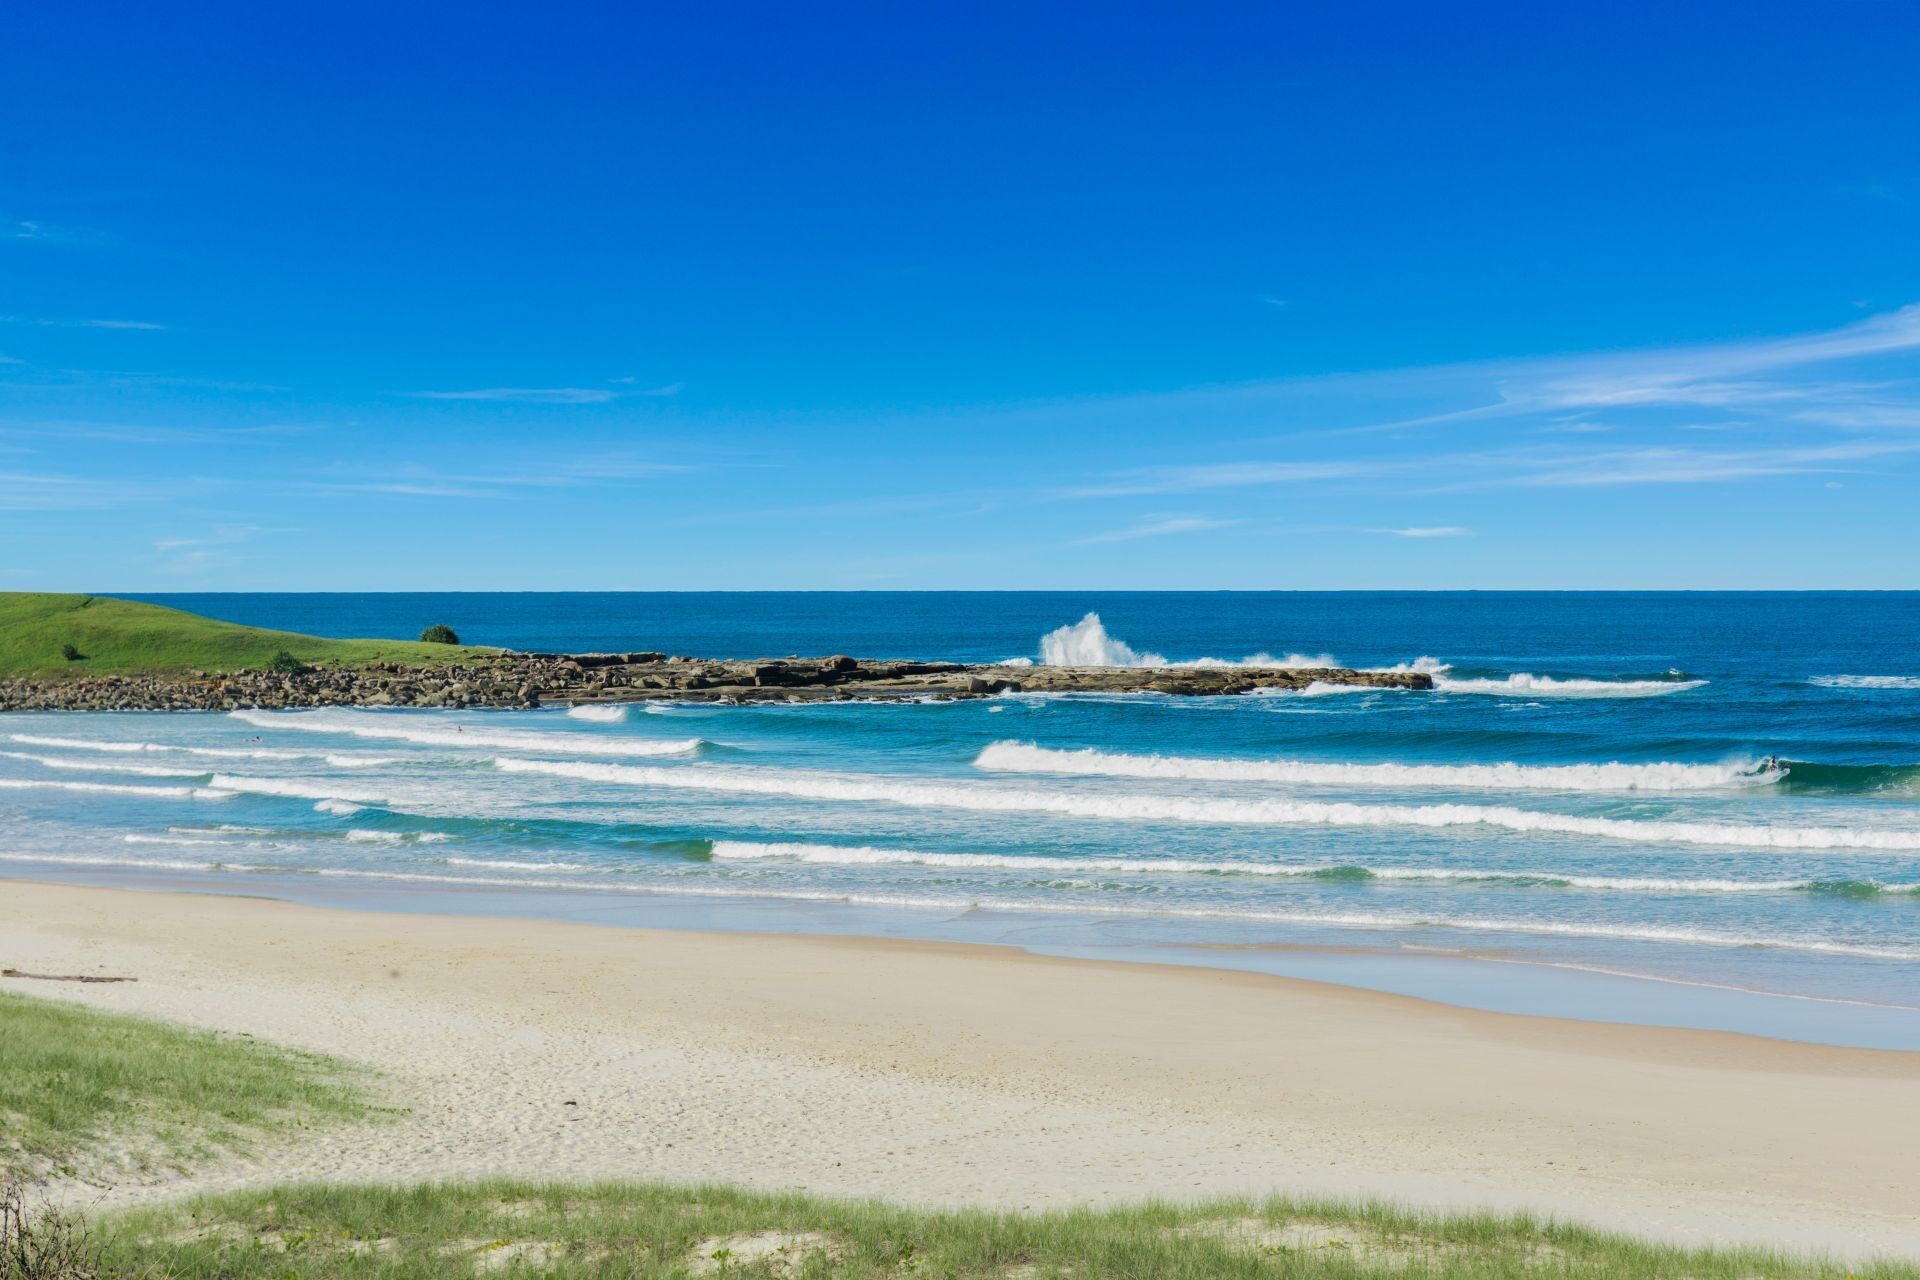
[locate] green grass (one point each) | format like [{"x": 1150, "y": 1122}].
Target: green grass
[
  {"x": 126, "y": 637},
  {"x": 646, "y": 1230},
  {"x": 83, "y": 1092}
]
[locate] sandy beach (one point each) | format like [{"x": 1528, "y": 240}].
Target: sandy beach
[{"x": 939, "y": 1074}]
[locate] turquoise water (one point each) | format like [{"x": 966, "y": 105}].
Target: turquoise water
[{"x": 1696, "y": 809}]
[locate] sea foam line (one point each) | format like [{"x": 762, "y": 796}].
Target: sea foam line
[
  {"x": 864, "y": 855},
  {"x": 1524, "y": 684},
  {"x": 399, "y": 727},
  {"x": 113, "y": 788},
  {"x": 1153, "y": 808},
  {"x": 1866, "y": 682},
  {"x": 103, "y": 766},
  {"x": 1029, "y": 757},
  {"x": 296, "y": 788},
  {"x": 213, "y": 753},
  {"x": 1336, "y": 919}
]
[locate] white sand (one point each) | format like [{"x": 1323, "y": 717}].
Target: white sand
[{"x": 938, "y": 1073}]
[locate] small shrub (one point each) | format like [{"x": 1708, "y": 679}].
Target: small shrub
[
  {"x": 286, "y": 664},
  {"x": 439, "y": 633},
  {"x": 46, "y": 1245},
  {"x": 70, "y": 653}
]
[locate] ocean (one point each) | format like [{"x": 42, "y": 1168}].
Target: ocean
[{"x": 1694, "y": 809}]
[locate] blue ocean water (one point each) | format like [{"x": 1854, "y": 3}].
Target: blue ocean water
[{"x": 1691, "y": 808}]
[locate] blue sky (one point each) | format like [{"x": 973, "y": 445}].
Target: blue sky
[{"x": 377, "y": 297}]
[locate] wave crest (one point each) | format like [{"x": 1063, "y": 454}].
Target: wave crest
[
  {"x": 399, "y": 727},
  {"x": 1028, "y": 757},
  {"x": 1126, "y": 806}
]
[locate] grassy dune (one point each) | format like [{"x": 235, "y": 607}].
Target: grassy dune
[
  {"x": 125, "y": 637},
  {"x": 88, "y": 1093},
  {"x": 652, "y": 1230}
]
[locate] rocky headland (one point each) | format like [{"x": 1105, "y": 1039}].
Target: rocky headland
[{"x": 532, "y": 679}]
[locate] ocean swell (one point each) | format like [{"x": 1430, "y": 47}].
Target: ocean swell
[
  {"x": 1156, "y": 808},
  {"x": 1027, "y": 757},
  {"x": 404, "y": 727}
]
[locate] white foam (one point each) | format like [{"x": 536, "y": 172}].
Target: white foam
[
  {"x": 212, "y": 753},
  {"x": 297, "y": 788},
  {"x": 598, "y": 713},
  {"x": 112, "y": 788},
  {"x": 342, "y": 807},
  {"x": 1087, "y": 643},
  {"x": 1526, "y": 685},
  {"x": 1866, "y": 682},
  {"x": 398, "y": 837},
  {"x": 1157, "y": 808},
  {"x": 861, "y": 855},
  {"x": 102, "y": 766},
  {"x": 1336, "y": 919},
  {"x": 1320, "y": 689},
  {"x": 1027, "y": 757},
  {"x": 417, "y": 727},
  {"x": 508, "y": 864}
]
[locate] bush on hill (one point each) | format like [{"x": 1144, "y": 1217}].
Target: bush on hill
[{"x": 439, "y": 633}]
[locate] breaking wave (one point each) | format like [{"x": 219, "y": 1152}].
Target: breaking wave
[
  {"x": 296, "y": 788},
  {"x": 343, "y": 760},
  {"x": 1027, "y": 757},
  {"x": 1087, "y": 643},
  {"x": 1866, "y": 682},
  {"x": 1153, "y": 808},
  {"x": 113, "y": 788},
  {"x": 1525, "y": 685},
  {"x": 400, "y": 727},
  {"x": 599, "y": 712}
]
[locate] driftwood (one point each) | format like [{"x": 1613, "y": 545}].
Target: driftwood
[{"x": 61, "y": 977}]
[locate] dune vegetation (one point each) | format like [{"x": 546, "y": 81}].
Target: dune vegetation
[
  {"x": 46, "y": 635},
  {"x": 658, "y": 1230},
  {"x": 91, "y": 1095}
]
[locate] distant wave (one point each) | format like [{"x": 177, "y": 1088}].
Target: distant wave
[
  {"x": 112, "y": 788},
  {"x": 398, "y": 837},
  {"x": 296, "y": 788},
  {"x": 1322, "y": 689},
  {"x": 402, "y": 727},
  {"x": 861, "y": 855},
  {"x": 1153, "y": 808},
  {"x": 1866, "y": 682},
  {"x": 599, "y": 712},
  {"x": 1027, "y": 757},
  {"x": 355, "y": 760},
  {"x": 1526, "y": 685},
  {"x": 102, "y": 766}
]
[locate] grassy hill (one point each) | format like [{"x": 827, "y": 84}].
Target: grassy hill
[{"x": 125, "y": 637}]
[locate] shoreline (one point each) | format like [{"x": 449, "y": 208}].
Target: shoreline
[
  {"x": 1492, "y": 980},
  {"x": 939, "y": 1072}
]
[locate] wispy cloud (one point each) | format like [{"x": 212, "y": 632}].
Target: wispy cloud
[
  {"x": 53, "y": 491},
  {"x": 49, "y": 233},
  {"x": 1156, "y": 529},
  {"x": 666, "y": 389},
  {"x": 526, "y": 395},
  {"x": 1222, "y": 475},
  {"x": 1431, "y": 531},
  {"x": 52, "y": 323},
  {"x": 414, "y": 481}
]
